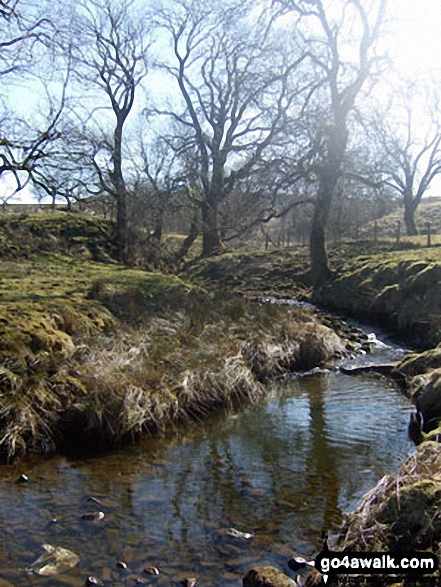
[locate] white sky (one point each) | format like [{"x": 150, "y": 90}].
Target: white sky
[
  {"x": 414, "y": 41},
  {"x": 417, "y": 40}
]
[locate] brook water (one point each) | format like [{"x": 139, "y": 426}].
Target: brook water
[{"x": 284, "y": 471}]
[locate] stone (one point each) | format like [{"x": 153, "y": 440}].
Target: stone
[
  {"x": 93, "y": 516},
  {"x": 267, "y": 577},
  {"x": 151, "y": 570},
  {"x": 233, "y": 533},
  {"x": 54, "y": 560}
]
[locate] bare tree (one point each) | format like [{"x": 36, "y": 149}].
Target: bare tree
[
  {"x": 234, "y": 105},
  {"x": 20, "y": 33},
  {"x": 111, "y": 45},
  {"x": 341, "y": 44},
  {"x": 161, "y": 181},
  {"x": 22, "y": 148},
  {"x": 409, "y": 155}
]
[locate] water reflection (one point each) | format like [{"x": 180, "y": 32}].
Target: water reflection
[{"x": 284, "y": 470}]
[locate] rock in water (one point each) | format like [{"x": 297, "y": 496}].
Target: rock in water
[
  {"x": 233, "y": 533},
  {"x": 93, "y": 516},
  {"x": 267, "y": 577},
  {"x": 55, "y": 560},
  {"x": 151, "y": 570},
  {"x": 298, "y": 564}
]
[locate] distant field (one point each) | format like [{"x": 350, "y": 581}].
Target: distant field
[{"x": 429, "y": 212}]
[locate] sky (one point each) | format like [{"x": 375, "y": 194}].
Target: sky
[
  {"x": 417, "y": 39},
  {"x": 414, "y": 41}
]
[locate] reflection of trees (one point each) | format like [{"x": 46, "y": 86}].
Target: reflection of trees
[
  {"x": 321, "y": 459},
  {"x": 271, "y": 470},
  {"x": 287, "y": 472}
]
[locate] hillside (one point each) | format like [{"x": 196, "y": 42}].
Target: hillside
[{"x": 428, "y": 212}]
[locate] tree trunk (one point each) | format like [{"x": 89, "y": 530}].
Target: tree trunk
[
  {"x": 409, "y": 219},
  {"x": 188, "y": 242},
  {"x": 158, "y": 226},
  {"x": 211, "y": 240},
  {"x": 121, "y": 195},
  {"x": 121, "y": 227},
  {"x": 328, "y": 180},
  {"x": 320, "y": 272}
]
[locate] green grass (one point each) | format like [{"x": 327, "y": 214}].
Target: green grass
[
  {"x": 93, "y": 353},
  {"x": 398, "y": 288}
]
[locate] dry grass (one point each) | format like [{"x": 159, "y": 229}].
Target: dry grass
[
  {"x": 401, "y": 513},
  {"x": 94, "y": 353},
  {"x": 181, "y": 366}
]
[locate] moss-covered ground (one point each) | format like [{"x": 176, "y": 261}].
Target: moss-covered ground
[
  {"x": 93, "y": 353},
  {"x": 399, "y": 289}
]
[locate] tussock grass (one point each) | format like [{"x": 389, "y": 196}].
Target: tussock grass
[
  {"x": 401, "y": 513},
  {"x": 181, "y": 366},
  {"x": 28, "y": 413},
  {"x": 93, "y": 354}
]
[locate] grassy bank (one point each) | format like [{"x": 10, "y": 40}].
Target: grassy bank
[
  {"x": 400, "y": 514},
  {"x": 281, "y": 273},
  {"x": 93, "y": 353},
  {"x": 398, "y": 289}
]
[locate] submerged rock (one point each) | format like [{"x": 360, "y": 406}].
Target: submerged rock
[
  {"x": 93, "y": 516},
  {"x": 55, "y": 560},
  {"x": 152, "y": 570},
  {"x": 233, "y": 533}
]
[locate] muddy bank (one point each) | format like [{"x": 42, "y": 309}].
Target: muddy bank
[{"x": 420, "y": 376}]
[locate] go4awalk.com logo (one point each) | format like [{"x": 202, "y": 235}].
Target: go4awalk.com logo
[{"x": 408, "y": 563}]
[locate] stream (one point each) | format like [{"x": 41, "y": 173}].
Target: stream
[{"x": 284, "y": 471}]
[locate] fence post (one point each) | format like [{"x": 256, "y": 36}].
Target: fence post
[{"x": 429, "y": 234}]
